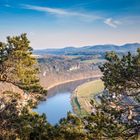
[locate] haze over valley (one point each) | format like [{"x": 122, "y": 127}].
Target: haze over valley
[{"x": 70, "y": 63}]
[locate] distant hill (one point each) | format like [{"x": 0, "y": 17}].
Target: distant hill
[{"x": 132, "y": 47}]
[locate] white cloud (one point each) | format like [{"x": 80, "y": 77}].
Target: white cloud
[
  {"x": 112, "y": 23},
  {"x": 61, "y": 12},
  {"x": 46, "y": 9},
  {"x": 70, "y": 13}
]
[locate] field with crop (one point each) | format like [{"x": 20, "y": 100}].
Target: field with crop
[{"x": 83, "y": 95}]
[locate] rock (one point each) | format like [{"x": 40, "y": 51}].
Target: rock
[{"x": 4, "y": 86}]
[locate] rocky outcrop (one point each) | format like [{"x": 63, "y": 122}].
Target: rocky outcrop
[
  {"x": 4, "y": 86},
  {"x": 10, "y": 92}
]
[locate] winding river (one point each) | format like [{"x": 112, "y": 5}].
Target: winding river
[{"x": 58, "y": 101}]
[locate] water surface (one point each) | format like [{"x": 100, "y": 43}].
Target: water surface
[
  {"x": 58, "y": 101},
  {"x": 56, "y": 107}
]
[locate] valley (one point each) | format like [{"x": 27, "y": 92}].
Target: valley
[
  {"x": 55, "y": 70},
  {"x": 58, "y": 66}
]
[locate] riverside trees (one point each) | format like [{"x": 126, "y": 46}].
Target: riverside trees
[{"x": 121, "y": 76}]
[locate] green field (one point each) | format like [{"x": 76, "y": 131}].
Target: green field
[
  {"x": 95, "y": 61},
  {"x": 83, "y": 95}
]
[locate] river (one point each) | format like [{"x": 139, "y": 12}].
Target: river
[{"x": 58, "y": 101}]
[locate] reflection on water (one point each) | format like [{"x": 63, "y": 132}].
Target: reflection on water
[
  {"x": 58, "y": 101},
  {"x": 55, "y": 107},
  {"x": 67, "y": 87}
]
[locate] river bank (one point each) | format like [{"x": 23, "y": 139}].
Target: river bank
[
  {"x": 53, "y": 89},
  {"x": 58, "y": 101},
  {"x": 68, "y": 81},
  {"x": 83, "y": 94},
  {"x": 51, "y": 79}
]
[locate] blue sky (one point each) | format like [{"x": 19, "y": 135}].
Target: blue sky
[{"x": 61, "y": 23}]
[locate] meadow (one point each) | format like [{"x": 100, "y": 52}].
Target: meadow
[{"x": 83, "y": 95}]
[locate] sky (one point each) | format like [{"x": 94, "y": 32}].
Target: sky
[{"x": 65, "y": 23}]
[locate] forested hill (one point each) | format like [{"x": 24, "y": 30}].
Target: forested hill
[{"x": 90, "y": 49}]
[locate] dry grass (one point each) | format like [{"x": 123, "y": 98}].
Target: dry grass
[{"x": 86, "y": 92}]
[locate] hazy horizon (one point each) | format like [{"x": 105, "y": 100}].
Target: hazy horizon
[{"x": 85, "y": 46}]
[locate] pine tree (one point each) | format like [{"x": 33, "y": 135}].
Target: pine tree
[
  {"x": 3, "y": 58},
  {"x": 18, "y": 64},
  {"x": 121, "y": 76}
]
